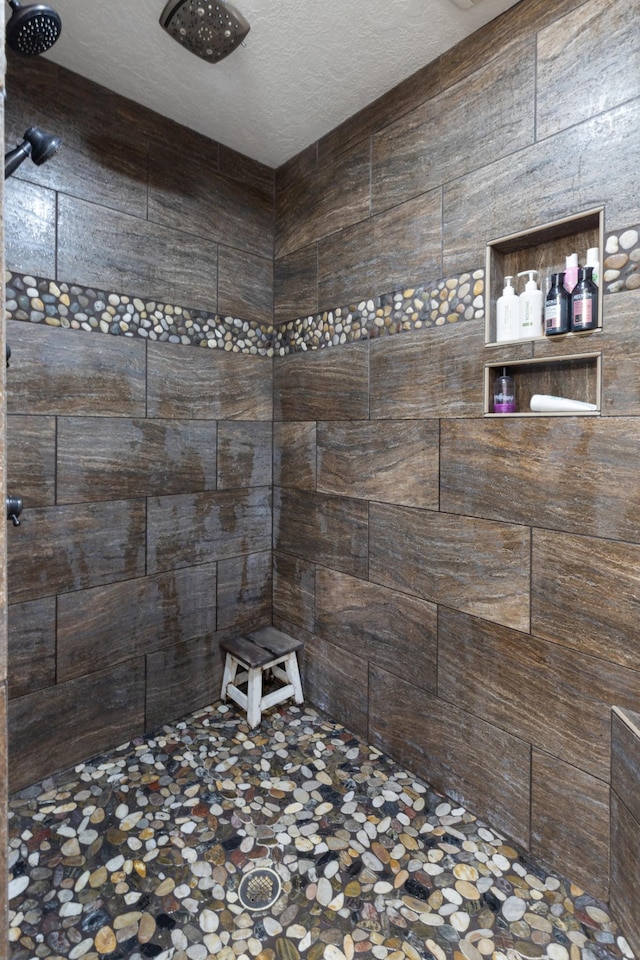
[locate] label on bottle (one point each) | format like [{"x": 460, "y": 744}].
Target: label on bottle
[
  {"x": 552, "y": 316},
  {"x": 582, "y": 312}
]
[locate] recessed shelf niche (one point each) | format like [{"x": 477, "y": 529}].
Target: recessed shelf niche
[
  {"x": 544, "y": 249},
  {"x": 576, "y": 377}
]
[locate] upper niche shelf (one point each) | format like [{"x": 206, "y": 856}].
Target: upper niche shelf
[{"x": 544, "y": 249}]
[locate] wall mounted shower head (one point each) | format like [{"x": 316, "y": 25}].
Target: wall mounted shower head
[
  {"x": 32, "y": 29},
  {"x": 211, "y": 29},
  {"x": 38, "y": 145}
]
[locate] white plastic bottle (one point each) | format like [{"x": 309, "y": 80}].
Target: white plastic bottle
[
  {"x": 530, "y": 311},
  {"x": 507, "y": 313},
  {"x": 593, "y": 261},
  {"x": 571, "y": 272}
]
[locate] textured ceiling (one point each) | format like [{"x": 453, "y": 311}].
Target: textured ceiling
[{"x": 306, "y": 66}]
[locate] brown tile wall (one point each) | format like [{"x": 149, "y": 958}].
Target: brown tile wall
[
  {"x": 468, "y": 587},
  {"x": 145, "y": 468},
  {"x": 418, "y": 548},
  {"x": 143, "y": 538},
  {"x": 134, "y": 202},
  {"x": 625, "y": 821}
]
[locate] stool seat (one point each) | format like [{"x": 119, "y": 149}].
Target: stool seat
[{"x": 255, "y": 653}]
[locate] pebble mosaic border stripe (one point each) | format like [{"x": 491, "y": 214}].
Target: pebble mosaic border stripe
[
  {"x": 434, "y": 304},
  {"x": 73, "y": 307}
]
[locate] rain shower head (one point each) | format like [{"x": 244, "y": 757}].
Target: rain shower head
[
  {"x": 37, "y": 144},
  {"x": 211, "y": 29},
  {"x": 32, "y": 29}
]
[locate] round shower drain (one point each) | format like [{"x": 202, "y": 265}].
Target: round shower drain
[{"x": 259, "y": 889}]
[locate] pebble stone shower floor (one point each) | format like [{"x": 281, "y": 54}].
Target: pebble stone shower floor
[{"x": 140, "y": 853}]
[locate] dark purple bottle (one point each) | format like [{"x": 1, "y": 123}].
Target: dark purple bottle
[
  {"x": 584, "y": 302},
  {"x": 557, "y": 307}
]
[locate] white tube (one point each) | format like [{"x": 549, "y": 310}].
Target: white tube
[{"x": 543, "y": 403}]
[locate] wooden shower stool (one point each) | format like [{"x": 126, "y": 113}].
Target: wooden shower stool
[{"x": 256, "y": 653}]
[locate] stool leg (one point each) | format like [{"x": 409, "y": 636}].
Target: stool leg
[
  {"x": 254, "y": 697},
  {"x": 293, "y": 675},
  {"x": 229, "y": 675}
]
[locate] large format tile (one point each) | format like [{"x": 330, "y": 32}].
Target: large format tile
[
  {"x": 335, "y": 680},
  {"x": 596, "y": 32},
  {"x": 180, "y": 679},
  {"x": 625, "y": 870},
  {"x": 570, "y": 822},
  {"x": 584, "y": 595},
  {"x": 294, "y": 591},
  {"x": 245, "y": 169},
  {"x": 404, "y": 97},
  {"x": 145, "y": 259},
  {"x": 621, "y": 347},
  {"x": 78, "y": 546},
  {"x": 108, "y": 459},
  {"x": 474, "y": 762},
  {"x": 315, "y": 199},
  {"x": 328, "y": 530},
  {"x": 31, "y": 636},
  {"x": 31, "y": 459},
  {"x": 519, "y": 22},
  {"x": 104, "y": 156},
  {"x": 493, "y": 109},
  {"x": 202, "y": 527},
  {"x": 244, "y": 591},
  {"x": 476, "y": 566},
  {"x": 296, "y": 285},
  {"x": 558, "y": 177},
  {"x": 568, "y": 473},
  {"x": 188, "y": 194},
  {"x": 537, "y": 690},
  {"x": 294, "y": 455},
  {"x": 625, "y": 759},
  {"x": 100, "y": 627},
  {"x": 207, "y": 385},
  {"x": 330, "y": 384},
  {"x": 244, "y": 454},
  {"x": 390, "y": 630},
  {"x": 80, "y": 718},
  {"x": 429, "y": 373},
  {"x": 245, "y": 285},
  {"x": 30, "y": 228},
  {"x": 394, "y": 461},
  {"x": 398, "y": 248},
  {"x": 71, "y": 373}
]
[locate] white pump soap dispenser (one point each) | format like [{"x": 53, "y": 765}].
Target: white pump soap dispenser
[
  {"x": 507, "y": 313},
  {"x": 530, "y": 308}
]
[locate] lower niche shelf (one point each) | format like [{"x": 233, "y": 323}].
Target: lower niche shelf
[{"x": 576, "y": 377}]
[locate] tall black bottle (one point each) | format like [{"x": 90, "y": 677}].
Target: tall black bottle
[
  {"x": 557, "y": 307},
  {"x": 584, "y": 302}
]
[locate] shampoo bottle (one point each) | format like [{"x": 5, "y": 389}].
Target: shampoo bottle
[
  {"x": 507, "y": 322},
  {"x": 530, "y": 308},
  {"x": 557, "y": 312},
  {"x": 504, "y": 394},
  {"x": 571, "y": 272},
  {"x": 584, "y": 302}
]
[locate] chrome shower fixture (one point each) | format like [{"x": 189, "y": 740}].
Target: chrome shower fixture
[
  {"x": 211, "y": 29},
  {"x": 38, "y": 145},
  {"x": 33, "y": 29}
]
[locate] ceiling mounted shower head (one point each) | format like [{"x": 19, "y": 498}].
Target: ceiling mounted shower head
[
  {"x": 32, "y": 29},
  {"x": 211, "y": 29}
]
